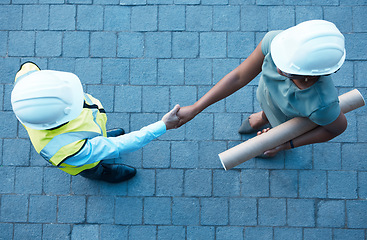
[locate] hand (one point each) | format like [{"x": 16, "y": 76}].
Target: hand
[
  {"x": 185, "y": 114},
  {"x": 273, "y": 152},
  {"x": 170, "y": 119}
]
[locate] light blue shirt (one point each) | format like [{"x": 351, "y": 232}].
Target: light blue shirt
[{"x": 103, "y": 148}]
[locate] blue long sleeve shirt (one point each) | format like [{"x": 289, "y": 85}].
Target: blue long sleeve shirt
[{"x": 103, "y": 148}]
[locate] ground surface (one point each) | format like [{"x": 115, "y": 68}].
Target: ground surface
[{"x": 140, "y": 58}]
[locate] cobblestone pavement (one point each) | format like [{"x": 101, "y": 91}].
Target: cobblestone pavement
[{"x": 140, "y": 58}]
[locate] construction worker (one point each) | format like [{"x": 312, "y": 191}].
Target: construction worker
[
  {"x": 67, "y": 127},
  {"x": 295, "y": 66}
]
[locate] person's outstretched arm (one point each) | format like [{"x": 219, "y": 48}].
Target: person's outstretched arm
[
  {"x": 102, "y": 148},
  {"x": 232, "y": 82}
]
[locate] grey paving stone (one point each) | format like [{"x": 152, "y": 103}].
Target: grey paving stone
[
  {"x": 14, "y": 208},
  {"x": 23, "y": 185},
  {"x": 214, "y": 211},
  {"x": 185, "y": 154},
  {"x": 116, "y": 18},
  {"x": 301, "y": 212},
  {"x": 142, "y": 232},
  {"x": 100, "y": 209},
  {"x": 253, "y": 233},
  {"x": 283, "y": 183},
  {"x": 255, "y": 183},
  {"x": 317, "y": 233},
  {"x": 331, "y": 214},
  {"x": 85, "y": 231},
  {"x": 340, "y": 234},
  {"x": 169, "y": 182},
  {"x": 200, "y": 232},
  {"x": 144, "y": 18},
  {"x": 42, "y": 209},
  {"x": 229, "y": 233},
  {"x": 11, "y": 17},
  {"x": 226, "y": 183},
  {"x": 342, "y": 184},
  {"x": 48, "y": 44},
  {"x": 27, "y": 231},
  {"x": 56, "y": 231},
  {"x": 16, "y": 48},
  {"x": 243, "y": 211},
  {"x": 62, "y": 17},
  {"x": 36, "y": 17},
  {"x": 355, "y": 216},
  {"x": 143, "y": 184},
  {"x": 6, "y": 230},
  {"x": 76, "y": 44},
  {"x": 198, "y": 182},
  {"x": 129, "y": 210},
  {"x": 71, "y": 209},
  {"x": 171, "y": 232},
  {"x": 114, "y": 232},
  {"x": 84, "y": 21},
  {"x": 272, "y": 212},
  {"x": 157, "y": 210},
  {"x": 287, "y": 233},
  {"x": 185, "y": 211},
  {"x": 7, "y": 179}
]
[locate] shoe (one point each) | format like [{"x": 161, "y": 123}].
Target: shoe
[
  {"x": 246, "y": 128},
  {"x": 115, "y": 132},
  {"x": 117, "y": 173}
]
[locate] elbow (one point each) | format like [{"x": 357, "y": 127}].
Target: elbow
[
  {"x": 341, "y": 127},
  {"x": 338, "y": 126}
]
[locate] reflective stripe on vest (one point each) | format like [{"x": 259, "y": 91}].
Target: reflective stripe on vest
[
  {"x": 62, "y": 140},
  {"x": 26, "y": 74}
]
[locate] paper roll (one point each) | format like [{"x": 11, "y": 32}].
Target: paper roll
[{"x": 282, "y": 133}]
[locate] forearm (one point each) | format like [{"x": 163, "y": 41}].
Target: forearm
[
  {"x": 102, "y": 148},
  {"x": 224, "y": 88},
  {"x": 135, "y": 140},
  {"x": 317, "y": 135},
  {"x": 233, "y": 81},
  {"x": 323, "y": 133}
]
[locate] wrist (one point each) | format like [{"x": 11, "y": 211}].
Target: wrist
[
  {"x": 197, "y": 108},
  {"x": 289, "y": 145},
  {"x": 285, "y": 146}
]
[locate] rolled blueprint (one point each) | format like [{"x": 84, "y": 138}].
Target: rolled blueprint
[{"x": 282, "y": 133}]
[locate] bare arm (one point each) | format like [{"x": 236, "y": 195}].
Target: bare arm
[
  {"x": 317, "y": 135},
  {"x": 231, "y": 83}
]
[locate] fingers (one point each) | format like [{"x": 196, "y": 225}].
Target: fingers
[
  {"x": 175, "y": 109},
  {"x": 271, "y": 152},
  {"x": 262, "y": 131},
  {"x": 171, "y": 118}
]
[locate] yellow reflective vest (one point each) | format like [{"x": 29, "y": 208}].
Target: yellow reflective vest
[{"x": 58, "y": 144}]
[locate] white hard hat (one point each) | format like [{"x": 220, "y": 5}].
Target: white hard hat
[
  {"x": 46, "y": 99},
  {"x": 313, "y": 48}
]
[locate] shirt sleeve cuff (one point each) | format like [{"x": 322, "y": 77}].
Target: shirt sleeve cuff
[{"x": 159, "y": 128}]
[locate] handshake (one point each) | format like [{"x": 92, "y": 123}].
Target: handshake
[
  {"x": 178, "y": 116},
  {"x": 171, "y": 119}
]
